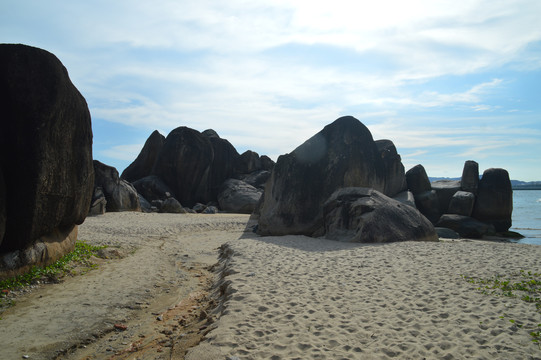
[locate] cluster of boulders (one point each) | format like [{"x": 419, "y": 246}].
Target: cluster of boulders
[
  {"x": 46, "y": 172},
  {"x": 472, "y": 207},
  {"x": 187, "y": 171},
  {"x": 343, "y": 185}
]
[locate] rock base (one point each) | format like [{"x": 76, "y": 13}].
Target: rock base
[{"x": 43, "y": 252}]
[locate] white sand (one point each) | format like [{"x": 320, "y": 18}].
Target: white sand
[
  {"x": 287, "y": 297},
  {"x": 294, "y": 297}
]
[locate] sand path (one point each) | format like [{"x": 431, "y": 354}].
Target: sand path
[{"x": 167, "y": 261}]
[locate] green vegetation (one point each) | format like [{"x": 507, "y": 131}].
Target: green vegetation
[
  {"x": 525, "y": 285},
  {"x": 76, "y": 262}
]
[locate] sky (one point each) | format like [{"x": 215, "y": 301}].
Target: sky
[{"x": 446, "y": 81}]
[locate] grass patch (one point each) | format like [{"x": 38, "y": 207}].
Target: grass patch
[
  {"x": 525, "y": 285},
  {"x": 66, "y": 265}
]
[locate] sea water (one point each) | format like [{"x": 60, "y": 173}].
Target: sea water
[{"x": 527, "y": 215}]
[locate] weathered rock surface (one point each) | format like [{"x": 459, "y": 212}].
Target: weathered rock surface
[
  {"x": 45, "y": 147},
  {"x": 447, "y": 233},
  {"x": 445, "y": 189},
  {"x": 343, "y": 154},
  {"x": 428, "y": 204},
  {"x": 470, "y": 177},
  {"x": 406, "y": 197},
  {"x": 466, "y": 226},
  {"x": 236, "y": 196},
  {"x": 494, "y": 204},
  {"x": 257, "y": 179},
  {"x": 223, "y": 163},
  {"x": 395, "y": 176},
  {"x": 120, "y": 194},
  {"x": 2, "y": 206},
  {"x": 153, "y": 188},
  {"x": 367, "y": 216},
  {"x": 171, "y": 205},
  {"x": 417, "y": 180},
  {"x": 461, "y": 203},
  {"x": 99, "y": 202},
  {"x": 248, "y": 162},
  {"x": 184, "y": 164},
  {"x": 143, "y": 164}
]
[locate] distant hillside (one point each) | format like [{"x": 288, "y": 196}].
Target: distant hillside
[{"x": 515, "y": 184}]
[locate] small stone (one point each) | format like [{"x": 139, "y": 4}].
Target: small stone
[
  {"x": 160, "y": 318},
  {"x": 121, "y": 327},
  {"x": 251, "y": 274},
  {"x": 232, "y": 358},
  {"x": 26, "y": 357}
]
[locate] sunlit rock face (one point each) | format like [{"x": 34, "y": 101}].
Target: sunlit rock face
[{"x": 343, "y": 154}]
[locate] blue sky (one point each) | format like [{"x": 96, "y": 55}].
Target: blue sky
[{"x": 446, "y": 81}]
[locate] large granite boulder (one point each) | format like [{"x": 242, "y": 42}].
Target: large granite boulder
[
  {"x": 461, "y": 203},
  {"x": 223, "y": 165},
  {"x": 266, "y": 163},
  {"x": 445, "y": 189},
  {"x": 470, "y": 177},
  {"x": 257, "y": 179},
  {"x": 417, "y": 180},
  {"x": 153, "y": 188},
  {"x": 367, "y": 216},
  {"x": 120, "y": 194},
  {"x": 494, "y": 204},
  {"x": 45, "y": 149},
  {"x": 466, "y": 226},
  {"x": 236, "y": 196},
  {"x": 184, "y": 164},
  {"x": 172, "y": 206},
  {"x": 143, "y": 164},
  {"x": 426, "y": 199},
  {"x": 343, "y": 154},
  {"x": 2, "y": 206},
  {"x": 98, "y": 206},
  {"x": 248, "y": 162},
  {"x": 395, "y": 176}
]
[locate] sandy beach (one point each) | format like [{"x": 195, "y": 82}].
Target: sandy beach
[{"x": 185, "y": 278}]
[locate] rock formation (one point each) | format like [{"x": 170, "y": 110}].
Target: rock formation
[
  {"x": 120, "y": 194},
  {"x": 494, "y": 204},
  {"x": 367, "y": 216},
  {"x": 45, "y": 154},
  {"x": 192, "y": 167},
  {"x": 143, "y": 164},
  {"x": 343, "y": 154},
  {"x": 237, "y": 196}
]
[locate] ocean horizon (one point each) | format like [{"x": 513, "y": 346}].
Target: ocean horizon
[{"x": 527, "y": 216}]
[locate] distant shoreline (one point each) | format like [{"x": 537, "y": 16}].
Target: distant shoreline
[{"x": 527, "y": 187}]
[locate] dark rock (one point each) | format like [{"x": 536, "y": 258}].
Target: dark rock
[
  {"x": 2, "y": 206},
  {"x": 462, "y": 203},
  {"x": 145, "y": 205},
  {"x": 171, "y": 205},
  {"x": 466, "y": 226},
  {"x": 248, "y": 162},
  {"x": 199, "y": 208},
  {"x": 395, "y": 177},
  {"x": 153, "y": 188},
  {"x": 257, "y": 179},
  {"x": 184, "y": 164},
  {"x": 223, "y": 164},
  {"x": 143, "y": 164},
  {"x": 266, "y": 163},
  {"x": 428, "y": 205},
  {"x": 157, "y": 204},
  {"x": 236, "y": 196},
  {"x": 470, "y": 177},
  {"x": 99, "y": 202},
  {"x": 406, "y": 197},
  {"x": 343, "y": 154},
  {"x": 367, "y": 216},
  {"x": 417, "y": 180},
  {"x": 494, "y": 204},
  {"x": 445, "y": 189},
  {"x": 120, "y": 194},
  {"x": 210, "y": 210},
  {"x": 447, "y": 233},
  {"x": 45, "y": 147},
  {"x": 210, "y": 134}
]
